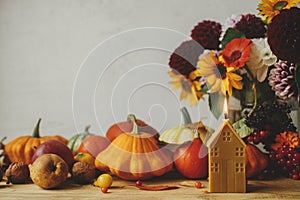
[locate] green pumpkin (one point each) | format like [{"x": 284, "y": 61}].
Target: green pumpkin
[{"x": 76, "y": 140}]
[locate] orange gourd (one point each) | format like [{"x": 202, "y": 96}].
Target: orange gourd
[
  {"x": 256, "y": 161},
  {"x": 118, "y": 128},
  {"x": 22, "y": 148},
  {"x": 134, "y": 156},
  {"x": 191, "y": 158}
]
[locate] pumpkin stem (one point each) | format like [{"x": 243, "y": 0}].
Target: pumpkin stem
[
  {"x": 36, "y": 131},
  {"x": 4, "y": 138},
  {"x": 86, "y": 129},
  {"x": 131, "y": 118},
  {"x": 186, "y": 116}
]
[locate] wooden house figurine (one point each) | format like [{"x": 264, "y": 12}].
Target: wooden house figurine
[{"x": 227, "y": 160}]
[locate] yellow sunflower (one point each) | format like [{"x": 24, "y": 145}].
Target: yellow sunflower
[
  {"x": 218, "y": 77},
  {"x": 188, "y": 89},
  {"x": 270, "y": 8}
]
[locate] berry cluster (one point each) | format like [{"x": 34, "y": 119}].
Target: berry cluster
[
  {"x": 287, "y": 160},
  {"x": 259, "y": 136},
  {"x": 268, "y": 120},
  {"x": 276, "y": 114}
]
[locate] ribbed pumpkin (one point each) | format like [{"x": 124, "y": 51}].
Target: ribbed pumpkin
[
  {"x": 75, "y": 141},
  {"x": 22, "y": 148},
  {"x": 256, "y": 161},
  {"x": 134, "y": 156},
  {"x": 185, "y": 133}
]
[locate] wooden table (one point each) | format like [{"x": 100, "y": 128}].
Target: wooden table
[{"x": 272, "y": 189}]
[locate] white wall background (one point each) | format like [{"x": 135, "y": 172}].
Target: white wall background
[{"x": 43, "y": 43}]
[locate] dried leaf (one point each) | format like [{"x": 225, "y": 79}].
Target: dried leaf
[
  {"x": 187, "y": 183},
  {"x": 157, "y": 188}
]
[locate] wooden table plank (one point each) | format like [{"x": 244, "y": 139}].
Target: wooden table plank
[{"x": 272, "y": 189}]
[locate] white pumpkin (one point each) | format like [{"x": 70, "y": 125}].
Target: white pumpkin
[{"x": 186, "y": 132}]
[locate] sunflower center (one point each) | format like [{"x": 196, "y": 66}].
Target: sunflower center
[
  {"x": 220, "y": 71},
  {"x": 235, "y": 55},
  {"x": 280, "y": 5}
]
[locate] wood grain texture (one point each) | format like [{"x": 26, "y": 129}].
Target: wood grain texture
[{"x": 272, "y": 189}]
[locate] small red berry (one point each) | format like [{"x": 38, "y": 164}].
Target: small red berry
[
  {"x": 104, "y": 189},
  {"x": 198, "y": 184},
  {"x": 138, "y": 183},
  {"x": 262, "y": 134},
  {"x": 295, "y": 176},
  {"x": 250, "y": 138},
  {"x": 296, "y": 156},
  {"x": 256, "y": 139}
]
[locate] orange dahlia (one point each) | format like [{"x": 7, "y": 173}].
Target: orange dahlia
[
  {"x": 236, "y": 52},
  {"x": 288, "y": 138}
]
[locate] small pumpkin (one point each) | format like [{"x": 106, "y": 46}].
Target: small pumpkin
[
  {"x": 127, "y": 126},
  {"x": 191, "y": 158},
  {"x": 75, "y": 141},
  {"x": 134, "y": 156},
  {"x": 185, "y": 133},
  {"x": 256, "y": 161},
  {"x": 93, "y": 145},
  {"x": 22, "y": 148}
]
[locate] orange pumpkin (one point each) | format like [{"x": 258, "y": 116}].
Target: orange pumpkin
[
  {"x": 134, "y": 156},
  {"x": 117, "y": 129},
  {"x": 256, "y": 161},
  {"x": 22, "y": 148}
]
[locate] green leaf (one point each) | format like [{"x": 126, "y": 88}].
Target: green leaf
[
  {"x": 205, "y": 88},
  {"x": 297, "y": 78},
  {"x": 242, "y": 129},
  {"x": 230, "y": 34},
  {"x": 216, "y": 102}
]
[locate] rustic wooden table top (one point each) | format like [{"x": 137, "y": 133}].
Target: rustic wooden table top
[{"x": 270, "y": 189}]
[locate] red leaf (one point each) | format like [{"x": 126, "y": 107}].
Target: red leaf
[{"x": 157, "y": 188}]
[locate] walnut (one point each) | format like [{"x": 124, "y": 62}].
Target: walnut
[
  {"x": 83, "y": 172},
  {"x": 17, "y": 172}
]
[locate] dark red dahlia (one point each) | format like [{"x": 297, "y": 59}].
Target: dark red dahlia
[
  {"x": 185, "y": 57},
  {"x": 252, "y": 26},
  {"x": 283, "y": 35},
  {"x": 207, "y": 33}
]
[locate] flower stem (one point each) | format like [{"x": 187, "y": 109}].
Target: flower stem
[
  {"x": 250, "y": 73},
  {"x": 255, "y": 98}
]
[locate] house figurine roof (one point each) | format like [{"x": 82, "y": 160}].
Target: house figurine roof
[{"x": 215, "y": 136}]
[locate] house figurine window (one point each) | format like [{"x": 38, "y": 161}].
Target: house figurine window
[
  {"x": 239, "y": 151},
  {"x": 215, "y": 167},
  {"x": 214, "y": 152},
  {"x": 226, "y": 136},
  {"x": 239, "y": 167}
]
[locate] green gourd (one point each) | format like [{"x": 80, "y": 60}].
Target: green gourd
[{"x": 76, "y": 140}]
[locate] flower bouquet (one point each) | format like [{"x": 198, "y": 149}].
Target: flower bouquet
[{"x": 254, "y": 61}]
